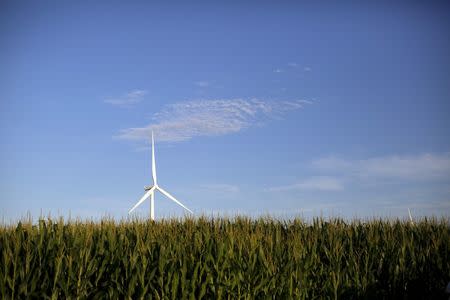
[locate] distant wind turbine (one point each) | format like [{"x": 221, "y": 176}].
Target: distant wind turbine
[
  {"x": 410, "y": 217},
  {"x": 150, "y": 190}
]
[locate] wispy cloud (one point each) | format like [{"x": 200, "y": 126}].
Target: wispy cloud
[
  {"x": 202, "y": 83},
  {"x": 334, "y": 172},
  {"x": 290, "y": 66},
  {"x": 424, "y": 166},
  {"x": 318, "y": 183},
  {"x": 129, "y": 99},
  {"x": 185, "y": 120},
  {"x": 444, "y": 205},
  {"x": 221, "y": 188}
]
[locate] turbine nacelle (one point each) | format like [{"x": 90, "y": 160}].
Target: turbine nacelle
[{"x": 148, "y": 187}]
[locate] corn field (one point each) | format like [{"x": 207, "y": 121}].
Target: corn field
[{"x": 236, "y": 258}]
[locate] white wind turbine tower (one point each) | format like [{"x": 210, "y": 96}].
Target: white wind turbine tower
[{"x": 150, "y": 190}]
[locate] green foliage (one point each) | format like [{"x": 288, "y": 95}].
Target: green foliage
[{"x": 224, "y": 259}]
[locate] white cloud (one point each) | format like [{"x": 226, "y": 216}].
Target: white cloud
[
  {"x": 202, "y": 83},
  {"x": 185, "y": 120},
  {"x": 221, "y": 188},
  {"x": 307, "y": 69},
  {"x": 129, "y": 99},
  {"x": 278, "y": 71},
  {"x": 373, "y": 171},
  {"x": 293, "y": 64},
  {"x": 443, "y": 205},
  {"x": 424, "y": 166},
  {"x": 318, "y": 183}
]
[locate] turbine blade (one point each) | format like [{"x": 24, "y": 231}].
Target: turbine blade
[
  {"x": 173, "y": 199},
  {"x": 153, "y": 161},
  {"x": 150, "y": 191}
]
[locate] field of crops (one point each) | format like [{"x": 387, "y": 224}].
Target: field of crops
[{"x": 225, "y": 259}]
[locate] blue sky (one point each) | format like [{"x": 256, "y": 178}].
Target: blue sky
[{"x": 270, "y": 108}]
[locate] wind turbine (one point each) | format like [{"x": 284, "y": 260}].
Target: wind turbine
[
  {"x": 150, "y": 190},
  {"x": 410, "y": 217}
]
